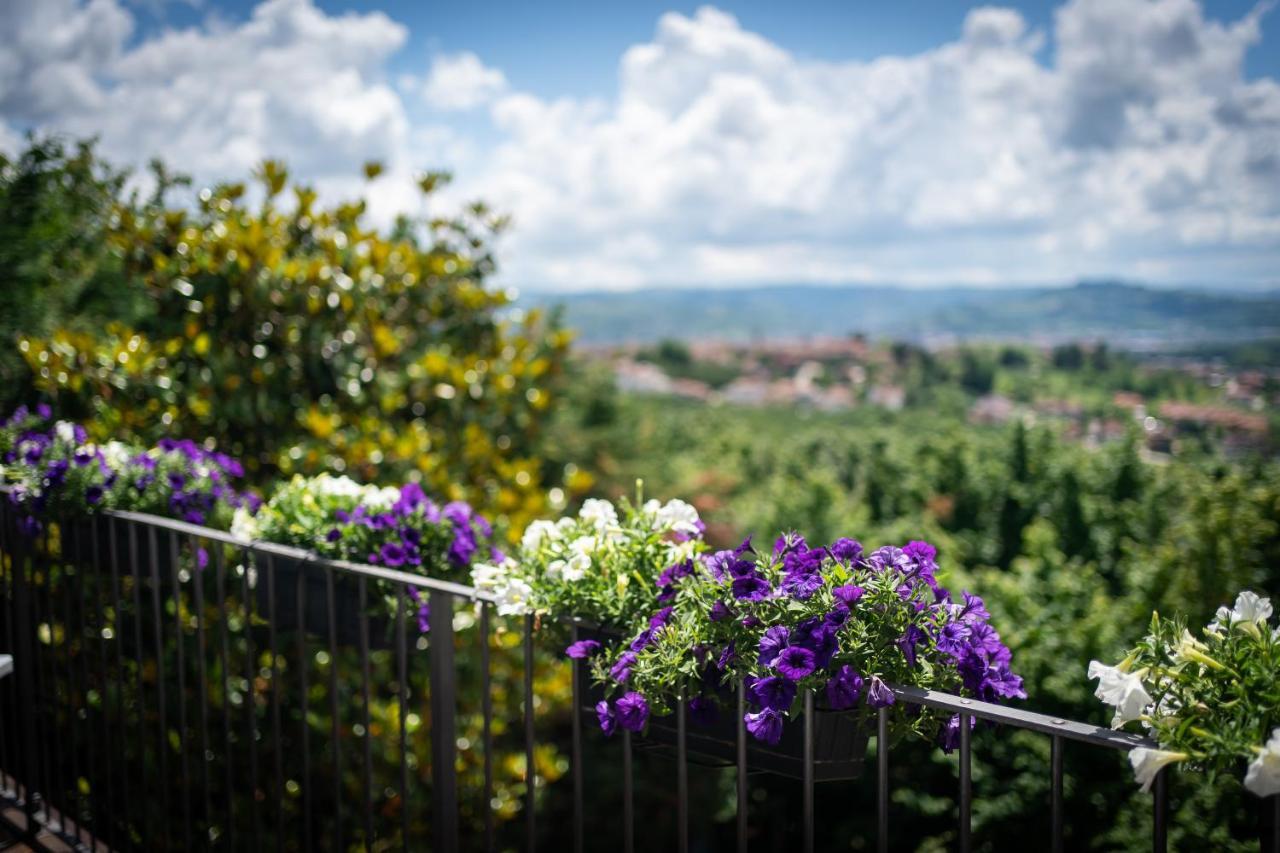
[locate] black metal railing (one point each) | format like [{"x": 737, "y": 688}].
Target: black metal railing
[{"x": 177, "y": 688}]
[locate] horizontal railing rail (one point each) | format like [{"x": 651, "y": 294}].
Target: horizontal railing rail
[{"x": 165, "y": 701}]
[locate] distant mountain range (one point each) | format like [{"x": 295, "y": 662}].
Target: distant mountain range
[{"x": 1123, "y": 313}]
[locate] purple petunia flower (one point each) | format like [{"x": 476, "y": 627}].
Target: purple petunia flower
[
  {"x": 849, "y": 594},
  {"x": 621, "y": 669},
  {"x": 333, "y": 535},
  {"x": 633, "y": 711},
  {"x": 765, "y": 726},
  {"x": 582, "y": 649},
  {"x": 392, "y": 554},
  {"x": 775, "y": 639},
  {"x": 844, "y": 688},
  {"x": 773, "y": 692},
  {"x": 795, "y": 662},
  {"x": 424, "y": 617},
  {"x": 719, "y": 612},
  {"x": 908, "y": 642},
  {"x": 727, "y": 656},
  {"x": 878, "y": 694},
  {"x": 949, "y": 735},
  {"x": 751, "y": 588},
  {"x": 608, "y": 719},
  {"x": 846, "y": 550},
  {"x": 953, "y": 638}
]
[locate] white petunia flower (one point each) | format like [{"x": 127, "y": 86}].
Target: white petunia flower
[
  {"x": 583, "y": 546},
  {"x": 1148, "y": 762},
  {"x": 513, "y": 598},
  {"x": 555, "y": 570},
  {"x": 651, "y": 507},
  {"x": 678, "y": 552},
  {"x": 538, "y": 532},
  {"x": 243, "y": 525},
  {"x": 1122, "y": 690},
  {"x": 490, "y": 576},
  {"x": 678, "y": 516},
  {"x": 66, "y": 431},
  {"x": 327, "y": 485},
  {"x": 380, "y": 498},
  {"x": 1250, "y": 609},
  {"x": 1263, "y": 775},
  {"x": 598, "y": 513},
  {"x": 576, "y": 568}
]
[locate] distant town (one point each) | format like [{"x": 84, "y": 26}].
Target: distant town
[{"x": 1172, "y": 400}]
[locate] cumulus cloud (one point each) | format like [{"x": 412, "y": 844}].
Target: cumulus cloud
[
  {"x": 460, "y": 81},
  {"x": 1138, "y": 148},
  {"x": 290, "y": 81},
  {"x": 1141, "y": 150}
]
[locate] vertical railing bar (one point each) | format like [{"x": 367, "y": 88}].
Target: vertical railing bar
[
  {"x": 181, "y": 666},
  {"x": 444, "y": 782},
  {"x": 100, "y": 806},
  {"x": 74, "y": 802},
  {"x": 156, "y": 613},
  {"x": 741, "y": 727},
  {"x": 120, "y": 807},
  {"x": 8, "y": 745},
  {"x": 334, "y": 708},
  {"x": 101, "y": 525},
  {"x": 402, "y": 675},
  {"x": 682, "y": 777},
  {"x": 304, "y": 703},
  {"x": 966, "y": 793},
  {"x": 7, "y": 763},
  {"x": 486, "y": 736},
  {"x": 808, "y": 771},
  {"x": 26, "y": 660},
  {"x": 197, "y": 588},
  {"x": 75, "y": 598},
  {"x": 1160, "y": 813},
  {"x": 882, "y": 780},
  {"x": 1055, "y": 808},
  {"x": 140, "y": 696},
  {"x": 628, "y": 806},
  {"x": 57, "y": 774},
  {"x": 47, "y": 679},
  {"x": 363, "y": 603},
  {"x": 530, "y": 766},
  {"x": 248, "y": 580},
  {"x": 575, "y": 672},
  {"x": 224, "y": 655},
  {"x": 277, "y": 745}
]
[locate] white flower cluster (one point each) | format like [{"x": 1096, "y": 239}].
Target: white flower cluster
[
  {"x": 512, "y": 592},
  {"x": 1125, "y": 691},
  {"x": 328, "y": 486}
]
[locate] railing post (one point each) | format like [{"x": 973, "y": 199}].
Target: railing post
[
  {"x": 1160, "y": 813},
  {"x": 23, "y": 670},
  {"x": 444, "y": 782}
]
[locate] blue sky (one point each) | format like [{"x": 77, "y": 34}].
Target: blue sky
[
  {"x": 585, "y": 38},
  {"x": 674, "y": 144}
]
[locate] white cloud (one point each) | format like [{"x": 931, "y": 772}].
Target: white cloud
[
  {"x": 460, "y": 81},
  {"x": 1139, "y": 149}
]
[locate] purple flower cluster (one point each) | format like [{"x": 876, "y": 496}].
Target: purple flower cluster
[
  {"x": 795, "y": 605},
  {"x": 414, "y": 533},
  {"x": 54, "y": 468}
]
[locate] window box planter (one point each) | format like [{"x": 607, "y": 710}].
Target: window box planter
[
  {"x": 346, "y": 604},
  {"x": 839, "y": 737}
]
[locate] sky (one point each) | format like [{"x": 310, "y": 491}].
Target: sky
[{"x": 924, "y": 143}]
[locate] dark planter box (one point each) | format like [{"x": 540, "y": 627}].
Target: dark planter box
[
  {"x": 315, "y": 590},
  {"x": 839, "y": 737}
]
